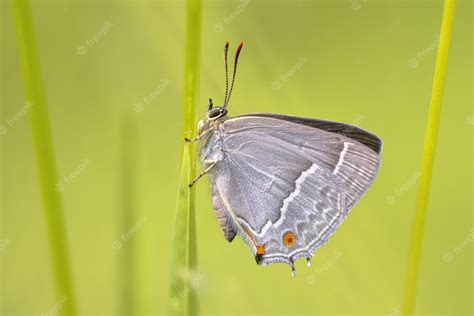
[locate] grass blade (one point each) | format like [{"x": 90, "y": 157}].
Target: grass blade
[
  {"x": 183, "y": 298},
  {"x": 428, "y": 157},
  {"x": 43, "y": 147}
]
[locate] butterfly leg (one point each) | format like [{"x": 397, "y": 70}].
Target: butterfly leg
[
  {"x": 191, "y": 140},
  {"x": 204, "y": 172}
]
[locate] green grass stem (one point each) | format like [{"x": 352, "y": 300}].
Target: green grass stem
[
  {"x": 428, "y": 157},
  {"x": 43, "y": 148},
  {"x": 183, "y": 299}
]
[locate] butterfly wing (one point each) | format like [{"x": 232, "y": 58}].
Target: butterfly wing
[
  {"x": 286, "y": 187},
  {"x": 223, "y": 215},
  {"x": 351, "y": 131}
]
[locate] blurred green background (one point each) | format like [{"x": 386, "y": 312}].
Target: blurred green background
[{"x": 113, "y": 77}]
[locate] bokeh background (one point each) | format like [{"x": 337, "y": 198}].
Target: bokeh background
[{"x": 113, "y": 77}]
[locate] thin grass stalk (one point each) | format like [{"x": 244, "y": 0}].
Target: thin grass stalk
[
  {"x": 428, "y": 158},
  {"x": 44, "y": 154},
  {"x": 183, "y": 299}
]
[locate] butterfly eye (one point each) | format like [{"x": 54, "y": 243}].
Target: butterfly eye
[
  {"x": 216, "y": 113},
  {"x": 200, "y": 126}
]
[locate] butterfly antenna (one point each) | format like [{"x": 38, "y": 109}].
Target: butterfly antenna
[
  {"x": 226, "y": 48},
  {"x": 237, "y": 53}
]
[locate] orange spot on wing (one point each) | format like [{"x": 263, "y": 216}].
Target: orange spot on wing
[
  {"x": 259, "y": 248},
  {"x": 289, "y": 239}
]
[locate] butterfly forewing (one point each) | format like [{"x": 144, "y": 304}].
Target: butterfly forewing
[
  {"x": 285, "y": 187},
  {"x": 350, "y": 131}
]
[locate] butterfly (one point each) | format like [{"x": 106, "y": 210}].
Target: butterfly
[{"x": 284, "y": 184}]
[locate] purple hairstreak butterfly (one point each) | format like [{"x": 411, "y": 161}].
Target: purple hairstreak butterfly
[{"x": 284, "y": 184}]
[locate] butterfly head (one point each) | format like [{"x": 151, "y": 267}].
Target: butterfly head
[{"x": 213, "y": 114}]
